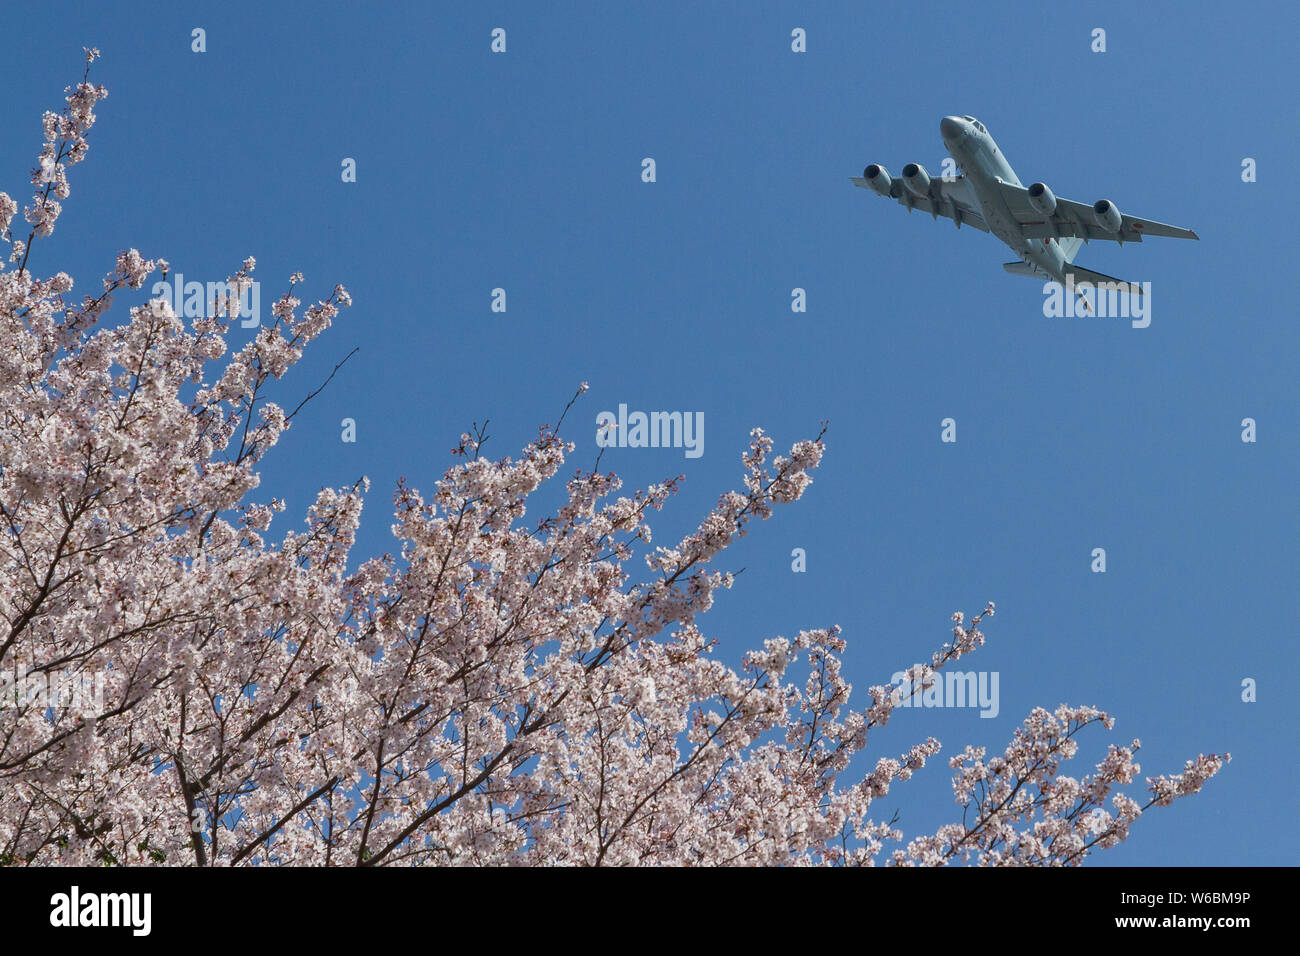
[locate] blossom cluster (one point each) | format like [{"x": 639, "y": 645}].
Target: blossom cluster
[{"x": 501, "y": 691}]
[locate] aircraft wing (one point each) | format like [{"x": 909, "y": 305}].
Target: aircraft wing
[
  {"x": 1076, "y": 219},
  {"x": 948, "y": 198}
]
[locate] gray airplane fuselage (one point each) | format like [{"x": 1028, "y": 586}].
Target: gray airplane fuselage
[{"x": 984, "y": 166}]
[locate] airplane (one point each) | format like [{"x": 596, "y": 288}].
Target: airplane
[{"x": 1046, "y": 232}]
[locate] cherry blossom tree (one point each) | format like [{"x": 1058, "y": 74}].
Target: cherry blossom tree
[{"x": 499, "y": 692}]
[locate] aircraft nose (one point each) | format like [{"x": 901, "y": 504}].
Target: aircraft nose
[{"x": 951, "y": 127}]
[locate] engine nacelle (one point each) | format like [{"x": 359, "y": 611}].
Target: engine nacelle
[
  {"x": 917, "y": 180},
  {"x": 877, "y": 178},
  {"x": 1042, "y": 199},
  {"x": 1107, "y": 215}
]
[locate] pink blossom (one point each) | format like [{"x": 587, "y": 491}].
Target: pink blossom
[{"x": 503, "y": 690}]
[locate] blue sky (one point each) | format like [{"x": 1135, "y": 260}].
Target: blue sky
[{"x": 522, "y": 171}]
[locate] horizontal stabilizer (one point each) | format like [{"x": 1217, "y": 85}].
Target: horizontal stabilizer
[
  {"x": 1081, "y": 275},
  {"x": 1019, "y": 268}
]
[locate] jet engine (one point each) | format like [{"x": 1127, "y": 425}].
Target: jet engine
[
  {"x": 917, "y": 180},
  {"x": 877, "y": 178},
  {"x": 1107, "y": 215},
  {"x": 1042, "y": 199}
]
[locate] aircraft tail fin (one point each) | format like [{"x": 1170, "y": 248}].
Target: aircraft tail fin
[{"x": 1070, "y": 245}]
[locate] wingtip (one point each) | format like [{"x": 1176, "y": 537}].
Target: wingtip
[{"x": 1194, "y": 235}]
